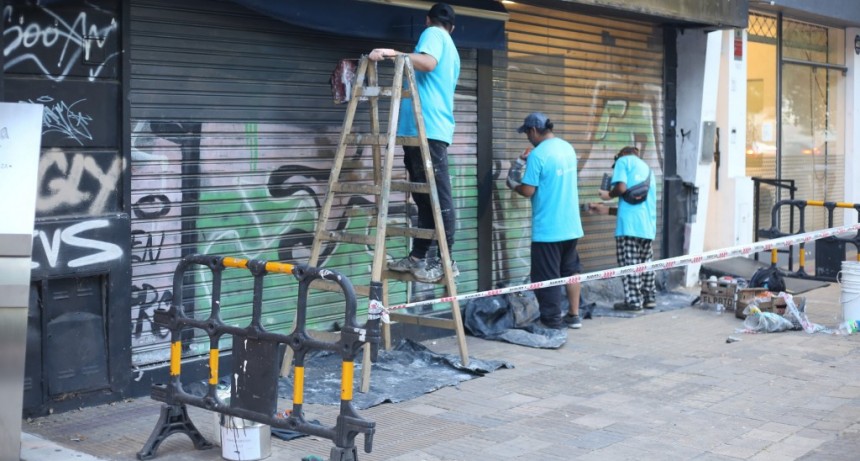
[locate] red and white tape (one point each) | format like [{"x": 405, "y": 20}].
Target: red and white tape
[{"x": 679, "y": 261}]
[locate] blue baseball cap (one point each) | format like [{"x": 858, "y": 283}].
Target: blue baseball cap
[{"x": 534, "y": 120}]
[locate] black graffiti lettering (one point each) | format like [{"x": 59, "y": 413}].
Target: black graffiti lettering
[
  {"x": 150, "y": 251},
  {"x": 152, "y": 206},
  {"x": 295, "y": 245},
  {"x": 147, "y": 300},
  {"x": 278, "y": 180}
]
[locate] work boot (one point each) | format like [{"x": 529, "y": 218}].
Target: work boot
[
  {"x": 572, "y": 321},
  {"x": 432, "y": 271},
  {"x": 626, "y": 307},
  {"x": 406, "y": 264}
]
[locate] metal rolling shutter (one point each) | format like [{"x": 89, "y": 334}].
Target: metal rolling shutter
[
  {"x": 601, "y": 81},
  {"x": 233, "y": 131}
]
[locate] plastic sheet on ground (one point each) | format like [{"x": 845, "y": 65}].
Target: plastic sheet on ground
[
  {"x": 510, "y": 318},
  {"x": 795, "y": 318},
  {"x": 406, "y": 372}
]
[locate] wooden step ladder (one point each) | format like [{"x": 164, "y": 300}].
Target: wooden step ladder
[{"x": 366, "y": 88}]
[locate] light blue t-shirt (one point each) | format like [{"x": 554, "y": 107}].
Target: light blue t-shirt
[
  {"x": 551, "y": 169},
  {"x": 635, "y": 220},
  {"x": 435, "y": 88}
]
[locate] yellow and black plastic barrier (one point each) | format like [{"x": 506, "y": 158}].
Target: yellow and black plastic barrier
[
  {"x": 255, "y": 355},
  {"x": 823, "y": 266}
]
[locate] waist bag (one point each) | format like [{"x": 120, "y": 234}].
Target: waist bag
[{"x": 638, "y": 193}]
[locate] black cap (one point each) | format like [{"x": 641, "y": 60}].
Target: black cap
[
  {"x": 442, "y": 12},
  {"x": 534, "y": 120}
]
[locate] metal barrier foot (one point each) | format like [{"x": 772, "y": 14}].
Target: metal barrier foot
[
  {"x": 173, "y": 419},
  {"x": 343, "y": 454}
]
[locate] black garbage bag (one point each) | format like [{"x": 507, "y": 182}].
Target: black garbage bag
[
  {"x": 768, "y": 277},
  {"x": 510, "y": 318},
  {"x": 488, "y": 317},
  {"x": 524, "y": 308}
]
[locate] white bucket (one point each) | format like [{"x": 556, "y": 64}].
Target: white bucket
[
  {"x": 244, "y": 440},
  {"x": 849, "y": 279}
]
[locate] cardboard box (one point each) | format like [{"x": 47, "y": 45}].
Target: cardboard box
[
  {"x": 767, "y": 302},
  {"x": 747, "y": 295},
  {"x": 719, "y": 292}
]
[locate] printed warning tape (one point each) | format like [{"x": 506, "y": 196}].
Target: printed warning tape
[{"x": 678, "y": 261}]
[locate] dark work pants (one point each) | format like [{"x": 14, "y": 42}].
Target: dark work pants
[
  {"x": 415, "y": 169},
  {"x": 553, "y": 260}
]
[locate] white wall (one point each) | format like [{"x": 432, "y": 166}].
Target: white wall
[
  {"x": 698, "y": 78},
  {"x": 730, "y": 208},
  {"x": 852, "y": 124}
]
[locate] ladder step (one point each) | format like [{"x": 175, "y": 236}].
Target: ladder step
[
  {"x": 385, "y": 91},
  {"x": 361, "y": 239},
  {"x": 400, "y": 231},
  {"x": 353, "y": 188},
  {"x": 366, "y": 139},
  {"x": 407, "y": 277},
  {"x": 426, "y": 321},
  {"x": 326, "y": 285},
  {"x": 414, "y": 187}
]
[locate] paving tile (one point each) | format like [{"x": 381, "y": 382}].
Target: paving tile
[
  {"x": 714, "y": 457},
  {"x": 661, "y": 386},
  {"x": 761, "y": 434},
  {"x": 735, "y": 451},
  {"x": 596, "y": 421},
  {"x": 517, "y": 448}
]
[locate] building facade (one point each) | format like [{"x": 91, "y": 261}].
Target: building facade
[
  {"x": 175, "y": 128},
  {"x": 786, "y": 93}
]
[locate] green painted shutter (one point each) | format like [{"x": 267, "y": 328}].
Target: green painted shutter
[{"x": 233, "y": 135}]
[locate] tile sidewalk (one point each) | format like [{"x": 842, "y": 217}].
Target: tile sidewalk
[{"x": 660, "y": 386}]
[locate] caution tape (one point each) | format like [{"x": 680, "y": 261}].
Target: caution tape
[{"x": 679, "y": 261}]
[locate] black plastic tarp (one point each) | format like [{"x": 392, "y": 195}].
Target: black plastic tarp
[{"x": 403, "y": 373}]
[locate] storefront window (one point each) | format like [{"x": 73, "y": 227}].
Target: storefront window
[{"x": 810, "y": 126}]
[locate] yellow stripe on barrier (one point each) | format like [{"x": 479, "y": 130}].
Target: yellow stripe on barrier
[
  {"x": 175, "y": 358},
  {"x": 213, "y": 366},
  {"x": 837, "y": 204},
  {"x": 346, "y": 381},
  {"x": 298, "y": 385},
  {"x": 235, "y": 262},
  {"x": 773, "y": 256},
  {"x": 239, "y": 263},
  {"x": 279, "y": 267}
]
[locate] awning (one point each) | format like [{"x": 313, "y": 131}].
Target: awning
[{"x": 479, "y": 24}]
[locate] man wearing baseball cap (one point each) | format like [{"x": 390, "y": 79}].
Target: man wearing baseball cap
[
  {"x": 437, "y": 69},
  {"x": 550, "y": 181}
]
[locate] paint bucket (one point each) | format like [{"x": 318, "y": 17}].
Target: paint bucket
[
  {"x": 244, "y": 440},
  {"x": 849, "y": 279}
]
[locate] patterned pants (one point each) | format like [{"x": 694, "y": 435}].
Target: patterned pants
[{"x": 638, "y": 288}]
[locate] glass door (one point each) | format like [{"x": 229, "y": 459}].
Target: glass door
[
  {"x": 811, "y": 148},
  {"x": 795, "y": 116}
]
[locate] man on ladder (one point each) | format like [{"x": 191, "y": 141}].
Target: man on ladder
[{"x": 437, "y": 65}]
